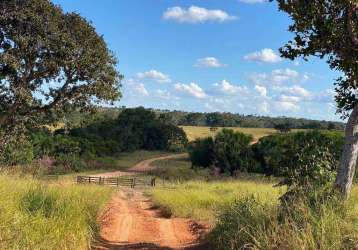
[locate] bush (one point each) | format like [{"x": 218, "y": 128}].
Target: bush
[
  {"x": 68, "y": 163},
  {"x": 17, "y": 151},
  {"x": 250, "y": 224},
  {"x": 309, "y": 163},
  {"x": 277, "y": 154},
  {"x": 46, "y": 144},
  {"x": 201, "y": 152},
  {"x": 232, "y": 151}
]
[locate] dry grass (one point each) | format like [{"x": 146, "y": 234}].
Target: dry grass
[
  {"x": 35, "y": 215},
  {"x": 202, "y": 200},
  {"x": 194, "y": 132}
]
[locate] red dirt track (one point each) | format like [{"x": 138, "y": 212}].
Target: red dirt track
[{"x": 131, "y": 222}]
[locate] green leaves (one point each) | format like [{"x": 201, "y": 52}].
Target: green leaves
[
  {"x": 327, "y": 29},
  {"x": 49, "y": 60}
]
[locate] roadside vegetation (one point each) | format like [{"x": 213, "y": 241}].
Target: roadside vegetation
[
  {"x": 307, "y": 224},
  {"x": 36, "y": 215},
  {"x": 203, "y": 200},
  {"x": 296, "y": 210}
]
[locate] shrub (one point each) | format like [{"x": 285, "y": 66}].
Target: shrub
[
  {"x": 250, "y": 224},
  {"x": 68, "y": 163},
  {"x": 17, "y": 151},
  {"x": 232, "y": 151},
  {"x": 201, "y": 152},
  {"x": 309, "y": 164},
  {"x": 277, "y": 154}
]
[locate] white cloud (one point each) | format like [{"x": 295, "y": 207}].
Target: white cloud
[
  {"x": 326, "y": 95},
  {"x": 278, "y": 77},
  {"x": 284, "y": 75},
  {"x": 287, "y": 98},
  {"x": 140, "y": 88},
  {"x": 227, "y": 88},
  {"x": 195, "y": 14},
  {"x": 261, "y": 90},
  {"x": 154, "y": 75},
  {"x": 164, "y": 94},
  {"x": 265, "y": 55},
  {"x": 253, "y": 1},
  {"x": 209, "y": 62},
  {"x": 286, "y": 106},
  {"x": 299, "y": 91},
  {"x": 191, "y": 89},
  {"x": 264, "y": 107}
]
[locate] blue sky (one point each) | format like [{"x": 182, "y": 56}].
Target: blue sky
[{"x": 210, "y": 55}]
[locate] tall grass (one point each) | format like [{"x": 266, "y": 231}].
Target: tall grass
[
  {"x": 248, "y": 224},
  {"x": 248, "y": 215},
  {"x": 34, "y": 215},
  {"x": 203, "y": 200}
]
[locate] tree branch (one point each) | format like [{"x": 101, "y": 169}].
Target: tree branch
[{"x": 352, "y": 10}]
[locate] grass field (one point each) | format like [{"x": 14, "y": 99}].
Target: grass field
[
  {"x": 126, "y": 160},
  {"x": 194, "y": 132},
  {"x": 248, "y": 215},
  {"x": 202, "y": 200},
  {"x": 34, "y": 215},
  {"x": 122, "y": 161},
  {"x": 178, "y": 169}
]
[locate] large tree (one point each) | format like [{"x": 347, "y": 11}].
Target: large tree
[
  {"x": 50, "y": 60},
  {"x": 328, "y": 29}
]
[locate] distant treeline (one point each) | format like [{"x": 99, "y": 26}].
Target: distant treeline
[{"x": 217, "y": 119}]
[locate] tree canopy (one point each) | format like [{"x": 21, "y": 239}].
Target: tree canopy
[
  {"x": 329, "y": 29},
  {"x": 49, "y": 60}
]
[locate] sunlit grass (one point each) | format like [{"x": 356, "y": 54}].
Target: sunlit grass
[
  {"x": 202, "y": 200},
  {"x": 194, "y": 132},
  {"x": 35, "y": 215},
  {"x": 332, "y": 224}
]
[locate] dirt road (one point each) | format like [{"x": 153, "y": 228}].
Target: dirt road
[
  {"x": 132, "y": 222},
  {"x": 140, "y": 167}
]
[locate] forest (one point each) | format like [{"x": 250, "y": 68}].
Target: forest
[{"x": 215, "y": 119}]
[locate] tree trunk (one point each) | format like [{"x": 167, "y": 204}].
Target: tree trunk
[{"x": 348, "y": 161}]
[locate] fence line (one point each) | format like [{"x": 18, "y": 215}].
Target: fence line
[{"x": 116, "y": 181}]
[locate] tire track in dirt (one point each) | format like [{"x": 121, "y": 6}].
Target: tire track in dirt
[{"x": 132, "y": 222}]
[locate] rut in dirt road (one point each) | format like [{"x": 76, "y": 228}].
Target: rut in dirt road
[{"x": 131, "y": 222}]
